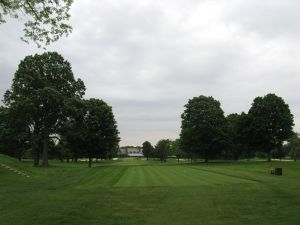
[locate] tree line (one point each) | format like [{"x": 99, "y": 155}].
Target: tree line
[
  {"x": 45, "y": 109},
  {"x": 45, "y": 115},
  {"x": 206, "y": 133}
]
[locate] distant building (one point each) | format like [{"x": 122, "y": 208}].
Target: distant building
[{"x": 131, "y": 151}]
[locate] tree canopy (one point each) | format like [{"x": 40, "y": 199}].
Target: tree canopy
[
  {"x": 293, "y": 146},
  {"x": 41, "y": 89},
  {"x": 271, "y": 123},
  {"x": 162, "y": 149},
  {"x": 147, "y": 149},
  {"x": 203, "y": 127},
  {"x": 99, "y": 129},
  {"x": 14, "y": 133},
  {"x": 45, "y": 20}
]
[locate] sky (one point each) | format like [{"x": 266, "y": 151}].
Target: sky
[{"x": 147, "y": 58}]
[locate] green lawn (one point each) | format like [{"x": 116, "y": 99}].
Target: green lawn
[{"x": 134, "y": 191}]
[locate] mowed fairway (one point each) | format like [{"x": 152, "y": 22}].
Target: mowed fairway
[{"x": 133, "y": 191}]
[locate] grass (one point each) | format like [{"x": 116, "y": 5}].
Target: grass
[{"x": 134, "y": 191}]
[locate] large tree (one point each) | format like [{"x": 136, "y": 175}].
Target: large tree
[
  {"x": 271, "y": 123},
  {"x": 99, "y": 130},
  {"x": 42, "y": 87},
  {"x": 147, "y": 149},
  {"x": 45, "y": 20},
  {"x": 203, "y": 127}
]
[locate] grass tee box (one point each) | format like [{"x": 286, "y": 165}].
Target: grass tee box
[{"x": 134, "y": 191}]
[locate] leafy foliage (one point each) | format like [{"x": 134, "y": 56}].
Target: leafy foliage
[
  {"x": 293, "y": 146},
  {"x": 175, "y": 149},
  {"x": 147, "y": 149},
  {"x": 45, "y": 19},
  {"x": 239, "y": 135},
  {"x": 203, "y": 127},
  {"x": 271, "y": 123},
  {"x": 42, "y": 87},
  {"x": 162, "y": 149},
  {"x": 14, "y": 134},
  {"x": 98, "y": 130}
]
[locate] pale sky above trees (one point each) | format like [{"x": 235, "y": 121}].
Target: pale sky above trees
[{"x": 147, "y": 58}]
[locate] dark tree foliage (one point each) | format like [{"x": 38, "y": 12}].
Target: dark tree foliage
[
  {"x": 239, "y": 136},
  {"x": 203, "y": 127},
  {"x": 147, "y": 149},
  {"x": 175, "y": 149},
  {"x": 14, "y": 134},
  {"x": 45, "y": 20},
  {"x": 162, "y": 149},
  {"x": 42, "y": 87},
  {"x": 292, "y": 147},
  {"x": 72, "y": 143},
  {"x": 271, "y": 123},
  {"x": 244, "y": 137},
  {"x": 99, "y": 130},
  {"x": 233, "y": 131},
  {"x": 62, "y": 150}
]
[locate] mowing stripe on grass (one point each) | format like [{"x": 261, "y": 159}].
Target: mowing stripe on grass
[
  {"x": 118, "y": 176},
  {"x": 142, "y": 176},
  {"x": 249, "y": 179}
]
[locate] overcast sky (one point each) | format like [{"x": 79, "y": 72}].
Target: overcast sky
[{"x": 147, "y": 58}]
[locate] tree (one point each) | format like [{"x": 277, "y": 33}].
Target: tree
[
  {"x": 71, "y": 131},
  {"x": 99, "y": 130},
  {"x": 14, "y": 134},
  {"x": 41, "y": 89},
  {"x": 175, "y": 149},
  {"x": 203, "y": 127},
  {"x": 271, "y": 123},
  {"x": 45, "y": 19},
  {"x": 163, "y": 148},
  {"x": 293, "y": 147},
  {"x": 232, "y": 130},
  {"x": 62, "y": 150},
  {"x": 147, "y": 149},
  {"x": 239, "y": 136}
]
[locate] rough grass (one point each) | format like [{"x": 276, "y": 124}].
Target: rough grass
[{"x": 133, "y": 191}]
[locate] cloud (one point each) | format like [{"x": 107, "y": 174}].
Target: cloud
[{"x": 147, "y": 58}]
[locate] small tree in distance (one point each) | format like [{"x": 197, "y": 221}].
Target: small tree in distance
[
  {"x": 175, "y": 149},
  {"x": 147, "y": 149},
  {"x": 162, "y": 149}
]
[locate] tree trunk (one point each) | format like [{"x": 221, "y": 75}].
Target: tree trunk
[
  {"x": 147, "y": 157},
  {"x": 90, "y": 161},
  {"x": 45, "y": 148},
  {"x": 206, "y": 160}
]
